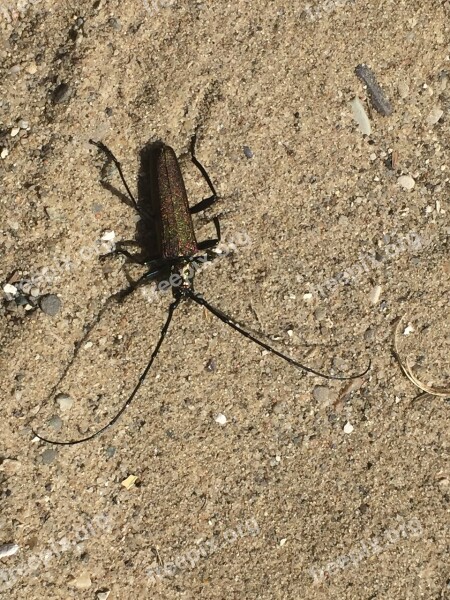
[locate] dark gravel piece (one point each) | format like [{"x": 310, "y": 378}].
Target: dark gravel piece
[
  {"x": 50, "y": 304},
  {"x": 379, "y": 100},
  {"x": 247, "y": 151},
  {"x": 62, "y": 93}
]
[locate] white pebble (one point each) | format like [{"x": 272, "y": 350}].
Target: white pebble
[
  {"x": 108, "y": 236},
  {"x": 434, "y": 115},
  {"x": 307, "y": 297},
  {"x": 360, "y": 116},
  {"x": 10, "y": 289},
  {"x": 4, "y": 153},
  {"x": 375, "y": 294},
  {"x": 283, "y": 541},
  {"x": 406, "y": 182},
  {"x": 8, "y": 550},
  {"x": 408, "y": 330},
  {"x": 88, "y": 345},
  {"x": 15, "y": 131},
  {"x": 220, "y": 418},
  {"x": 23, "y": 124},
  {"x": 65, "y": 402},
  {"x": 348, "y": 427}
]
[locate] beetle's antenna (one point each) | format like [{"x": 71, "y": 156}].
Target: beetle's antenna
[
  {"x": 239, "y": 328},
  {"x": 164, "y": 330}
]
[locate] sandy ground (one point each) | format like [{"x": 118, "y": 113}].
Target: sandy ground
[{"x": 311, "y": 489}]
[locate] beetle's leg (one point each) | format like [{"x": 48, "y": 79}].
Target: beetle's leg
[
  {"x": 133, "y": 258},
  {"x": 207, "y": 202},
  {"x": 208, "y": 244},
  {"x": 111, "y": 156}
]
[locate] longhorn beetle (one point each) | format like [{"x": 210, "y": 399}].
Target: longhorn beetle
[{"x": 178, "y": 250}]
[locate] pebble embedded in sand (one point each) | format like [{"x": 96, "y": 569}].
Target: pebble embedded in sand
[
  {"x": 50, "y": 304},
  {"x": 434, "y": 116},
  {"x": 348, "y": 427},
  {"x": 220, "y": 419},
  {"x": 406, "y": 182},
  {"x": 375, "y": 294},
  {"x": 65, "y": 402},
  {"x": 360, "y": 116},
  {"x": 8, "y": 550},
  {"x": 83, "y": 582},
  {"x": 10, "y": 289}
]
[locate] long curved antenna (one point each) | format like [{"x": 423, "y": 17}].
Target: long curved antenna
[
  {"x": 172, "y": 308},
  {"x": 237, "y": 327},
  {"x": 116, "y": 297}
]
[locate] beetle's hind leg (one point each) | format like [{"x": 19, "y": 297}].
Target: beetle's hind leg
[
  {"x": 207, "y": 202},
  {"x": 209, "y": 244}
]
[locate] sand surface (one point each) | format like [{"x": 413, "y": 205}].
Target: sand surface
[{"x": 254, "y": 480}]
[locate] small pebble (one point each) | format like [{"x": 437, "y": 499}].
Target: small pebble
[
  {"x": 408, "y": 330},
  {"x": 108, "y": 236},
  {"x": 369, "y": 334},
  {"x": 406, "y": 182},
  {"x": 83, "y": 582},
  {"x": 4, "y": 153},
  {"x": 10, "y": 289},
  {"x": 129, "y": 481},
  {"x": 360, "y": 116},
  {"x": 110, "y": 451},
  {"x": 403, "y": 89},
  {"x": 15, "y": 131},
  {"x": 50, "y": 304},
  {"x": 348, "y": 427},
  {"x": 103, "y": 595},
  {"x": 247, "y": 151},
  {"x": 55, "y": 422},
  {"x": 32, "y": 69},
  {"x": 48, "y": 456},
  {"x": 220, "y": 419},
  {"x": 65, "y": 402},
  {"x": 211, "y": 365},
  {"x": 375, "y": 294},
  {"x": 34, "y": 292},
  {"x": 320, "y": 313},
  {"x": 283, "y": 541},
  {"x": 8, "y": 550},
  {"x": 115, "y": 24},
  {"x": 321, "y": 394},
  {"x": 62, "y": 93},
  {"x": 433, "y": 117},
  {"x": 23, "y": 124}
]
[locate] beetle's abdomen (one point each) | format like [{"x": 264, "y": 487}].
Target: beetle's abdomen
[{"x": 178, "y": 237}]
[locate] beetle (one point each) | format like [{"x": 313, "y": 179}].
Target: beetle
[{"x": 179, "y": 252}]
